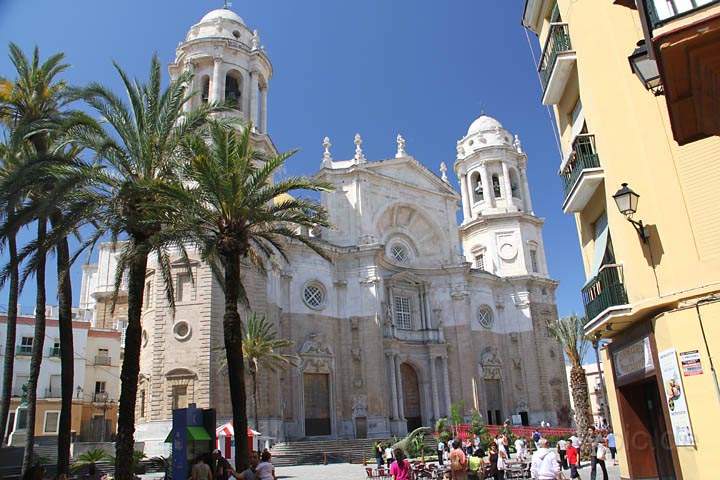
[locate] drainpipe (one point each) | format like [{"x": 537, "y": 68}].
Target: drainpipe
[
  {"x": 707, "y": 347},
  {"x": 606, "y": 407}
]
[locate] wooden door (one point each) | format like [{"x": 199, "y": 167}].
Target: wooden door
[{"x": 317, "y": 404}]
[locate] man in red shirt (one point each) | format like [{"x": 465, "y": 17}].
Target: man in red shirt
[{"x": 573, "y": 460}]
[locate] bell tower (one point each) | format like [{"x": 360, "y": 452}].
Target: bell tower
[
  {"x": 229, "y": 66},
  {"x": 500, "y": 233}
]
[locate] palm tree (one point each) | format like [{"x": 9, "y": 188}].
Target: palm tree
[
  {"x": 90, "y": 459},
  {"x": 35, "y": 102},
  {"x": 11, "y": 157},
  {"x": 569, "y": 332},
  {"x": 232, "y": 214},
  {"x": 140, "y": 149},
  {"x": 262, "y": 347}
]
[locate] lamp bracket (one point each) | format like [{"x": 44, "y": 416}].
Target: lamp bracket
[{"x": 640, "y": 229}]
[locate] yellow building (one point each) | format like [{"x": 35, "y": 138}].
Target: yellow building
[{"x": 631, "y": 88}]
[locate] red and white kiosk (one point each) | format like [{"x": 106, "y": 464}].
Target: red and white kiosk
[{"x": 225, "y": 441}]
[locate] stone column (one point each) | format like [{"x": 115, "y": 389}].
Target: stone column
[
  {"x": 263, "y": 110},
  {"x": 487, "y": 187},
  {"x": 507, "y": 187},
  {"x": 390, "y": 359},
  {"x": 526, "y": 190},
  {"x": 434, "y": 389},
  {"x": 216, "y": 95},
  {"x": 191, "y": 86},
  {"x": 446, "y": 384},
  {"x": 254, "y": 99},
  {"x": 465, "y": 197},
  {"x": 401, "y": 399}
]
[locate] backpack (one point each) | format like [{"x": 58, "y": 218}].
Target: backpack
[{"x": 455, "y": 464}]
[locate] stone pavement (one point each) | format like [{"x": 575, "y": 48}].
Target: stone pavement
[{"x": 341, "y": 471}]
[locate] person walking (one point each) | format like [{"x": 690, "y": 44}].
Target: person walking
[
  {"x": 612, "y": 445},
  {"x": 536, "y": 437},
  {"x": 520, "y": 448},
  {"x": 595, "y": 440},
  {"x": 562, "y": 451},
  {"x": 601, "y": 455},
  {"x": 492, "y": 471},
  {"x": 221, "y": 469},
  {"x": 545, "y": 464},
  {"x": 573, "y": 460},
  {"x": 400, "y": 468},
  {"x": 458, "y": 462},
  {"x": 201, "y": 469},
  {"x": 388, "y": 455},
  {"x": 378, "y": 450},
  {"x": 441, "y": 452}
]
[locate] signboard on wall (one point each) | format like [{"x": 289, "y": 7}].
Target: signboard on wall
[
  {"x": 691, "y": 364},
  {"x": 675, "y": 397},
  {"x": 636, "y": 357}
]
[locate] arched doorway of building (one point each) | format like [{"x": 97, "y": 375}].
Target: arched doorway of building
[
  {"x": 317, "y": 404},
  {"x": 411, "y": 397},
  {"x": 493, "y": 399}
]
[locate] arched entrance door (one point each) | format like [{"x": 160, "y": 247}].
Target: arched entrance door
[{"x": 411, "y": 397}]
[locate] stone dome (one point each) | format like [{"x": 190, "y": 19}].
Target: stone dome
[
  {"x": 484, "y": 123},
  {"x": 223, "y": 13}
]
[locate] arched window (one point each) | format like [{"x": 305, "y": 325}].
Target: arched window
[
  {"x": 514, "y": 184},
  {"x": 477, "y": 190},
  {"x": 496, "y": 186},
  {"x": 233, "y": 90},
  {"x": 205, "y": 90}
]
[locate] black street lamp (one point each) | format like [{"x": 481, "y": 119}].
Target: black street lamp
[
  {"x": 627, "y": 200},
  {"x": 646, "y": 68}
]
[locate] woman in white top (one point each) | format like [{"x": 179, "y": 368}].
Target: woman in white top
[{"x": 265, "y": 470}]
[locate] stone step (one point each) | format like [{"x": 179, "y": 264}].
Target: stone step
[{"x": 316, "y": 452}]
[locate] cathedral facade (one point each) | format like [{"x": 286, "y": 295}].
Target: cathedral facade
[{"x": 414, "y": 313}]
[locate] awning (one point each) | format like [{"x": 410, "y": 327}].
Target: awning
[
  {"x": 195, "y": 434},
  {"x": 228, "y": 429}
]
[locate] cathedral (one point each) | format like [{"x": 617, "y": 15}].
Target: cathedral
[{"x": 414, "y": 313}]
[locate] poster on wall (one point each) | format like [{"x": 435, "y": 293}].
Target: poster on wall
[
  {"x": 675, "y": 397},
  {"x": 690, "y": 362}
]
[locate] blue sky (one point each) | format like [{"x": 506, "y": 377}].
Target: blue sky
[{"x": 423, "y": 68}]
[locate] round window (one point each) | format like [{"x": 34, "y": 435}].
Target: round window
[
  {"x": 236, "y": 34},
  {"x": 485, "y": 317},
  {"x": 399, "y": 253},
  {"x": 181, "y": 330},
  {"x": 314, "y": 295}
]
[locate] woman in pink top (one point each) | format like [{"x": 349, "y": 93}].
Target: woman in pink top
[{"x": 400, "y": 469}]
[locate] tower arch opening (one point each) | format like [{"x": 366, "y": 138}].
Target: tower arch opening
[{"x": 233, "y": 89}]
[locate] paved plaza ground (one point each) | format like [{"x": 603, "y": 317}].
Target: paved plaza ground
[{"x": 352, "y": 472}]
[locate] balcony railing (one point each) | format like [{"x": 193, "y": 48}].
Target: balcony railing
[
  {"x": 663, "y": 11},
  {"x": 583, "y": 156},
  {"x": 428, "y": 335},
  {"x": 558, "y": 41},
  {"x": 605, "y": 290},
  {"x": 101, "y": 397},
  {"x": 23, "y": 350},
  {"x": 52, "y": 393},
  {"x": 102, "y": 360}
]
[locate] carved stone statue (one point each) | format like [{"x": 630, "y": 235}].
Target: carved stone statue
[
  {"x": 255, "y": 42},
  {"x": 443, "y": 171},
  {"x": 359, "y": 155},
  {"x": 315, "y": 344},
  {"x": 327, "y": 157},
  {"x": 400, "y": 147}
]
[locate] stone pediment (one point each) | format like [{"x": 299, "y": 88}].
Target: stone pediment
[{"x": 409, "y": 171}]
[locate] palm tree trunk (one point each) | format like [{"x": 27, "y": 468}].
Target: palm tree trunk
[
  {"x": 67, "y": 353},
  {"x": 125, "y": 442},
  {"x": 37, "y": 347},
  {"x": 253, "y": 374},
  {"x": 10, "y": 337},
  {"x": 232, "y": 329},
  {"x": 581, "y": 401}
]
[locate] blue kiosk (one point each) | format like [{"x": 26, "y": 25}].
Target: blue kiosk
[{"x": 192, "y": 434}]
